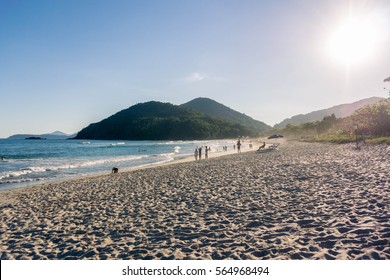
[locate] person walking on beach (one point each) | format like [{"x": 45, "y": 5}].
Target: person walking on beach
[
  {"x": 239, "y": 146},
  {"x": 206, "y": 152},
  {"x": 196, "y": 153},
  {"x": 200, "y": 153}
]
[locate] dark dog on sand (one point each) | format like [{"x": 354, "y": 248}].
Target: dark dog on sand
[
  {"x": 262, "y": 146},
  {"x": 114, "y": 170}
]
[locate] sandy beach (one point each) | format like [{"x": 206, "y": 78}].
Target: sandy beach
[{"x": 301, "y": 201}]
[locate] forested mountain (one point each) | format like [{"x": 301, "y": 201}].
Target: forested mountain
[
  {"x": 213, "y": 108},
  {"x": 340, "y": 111},
  {"x": 162, "y": 121}
]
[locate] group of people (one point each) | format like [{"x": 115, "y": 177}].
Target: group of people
[
  {"x": 238, "y": 144},
  {"x": 198, "y": 152}
]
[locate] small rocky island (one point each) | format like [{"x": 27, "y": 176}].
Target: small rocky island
[{"x": 35, "y": 138}]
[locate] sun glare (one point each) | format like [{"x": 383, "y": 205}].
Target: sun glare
[{"x": 354, "y": 41}]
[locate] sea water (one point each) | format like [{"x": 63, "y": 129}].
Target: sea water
[{"x": 27, "y": 162}]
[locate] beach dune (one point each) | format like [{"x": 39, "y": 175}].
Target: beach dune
[{"x": 301, "y": 201}]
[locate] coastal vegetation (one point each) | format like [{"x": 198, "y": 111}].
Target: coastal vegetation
[{"x": 370, "y": 123}]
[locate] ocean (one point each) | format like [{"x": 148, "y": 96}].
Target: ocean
[{"x": 28, "y": 162}]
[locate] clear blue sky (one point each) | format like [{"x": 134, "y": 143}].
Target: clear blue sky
[{"x": 65, "y": 64}]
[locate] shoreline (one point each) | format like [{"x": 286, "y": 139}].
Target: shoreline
[
  {"x": 302, "y": 201},
  {"x": 178, "y": 160}
]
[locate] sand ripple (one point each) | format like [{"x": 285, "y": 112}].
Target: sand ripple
[{"x": 303, "y": 201}]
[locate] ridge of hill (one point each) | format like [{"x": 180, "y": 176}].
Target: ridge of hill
[
  {"x": 340, "y": 111},
  {"x": 215, "y": 109}
]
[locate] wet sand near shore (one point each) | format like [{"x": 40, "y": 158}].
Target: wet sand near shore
[{"x": 301, "y": 201}]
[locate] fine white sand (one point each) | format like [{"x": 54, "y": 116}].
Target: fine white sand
[{"x": 302, "y": 201}]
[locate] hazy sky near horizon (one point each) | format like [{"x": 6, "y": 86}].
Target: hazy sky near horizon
[{"x": 65, "y": 64}]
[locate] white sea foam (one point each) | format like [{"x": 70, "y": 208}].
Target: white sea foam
[
  {"x": 57, "y": 166},
  {"x": 20, "y": 180},
  {"x": 118, "y": 144},
  {"x": 168, "y": 158},
  {"x": 170, "y": 142},
  {"x": 14, "y": 174},
  {"x": 99, "y": 162},
  {"x": 164, "y": 155}
]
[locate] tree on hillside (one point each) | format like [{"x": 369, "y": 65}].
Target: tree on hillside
[
  {"x": 326, "y": 123},
  {"x": 374, "y": 119},
  {"x": 387, "y": 80}
]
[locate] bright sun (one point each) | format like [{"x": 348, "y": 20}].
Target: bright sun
[{"x": 353, "y": 41}]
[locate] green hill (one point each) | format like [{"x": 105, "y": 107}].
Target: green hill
[
  {"x": 213, "y": 108},
  {"x": 162, "y": 121}
]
